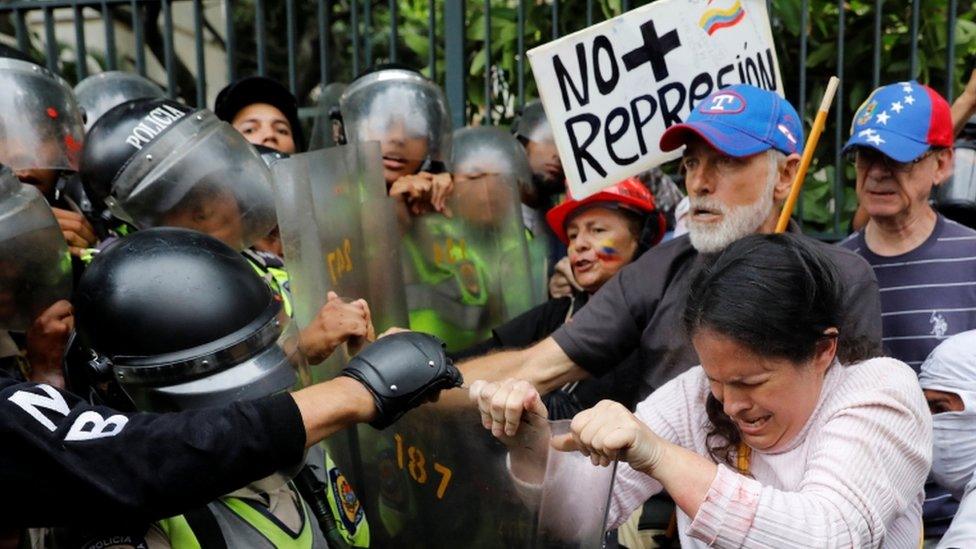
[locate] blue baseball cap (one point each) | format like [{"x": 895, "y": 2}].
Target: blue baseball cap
[
  {"x": 902, "y": 121},
  {"x": 740, "y": 120}
]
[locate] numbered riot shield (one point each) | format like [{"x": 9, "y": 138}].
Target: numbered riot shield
[
  {"x": 486, "y": 150},
  {"x": 437, "y": 478},
  {"x": 339, "y": 233},
  {"x": 35, "y": 268},
  {"x": 40, "y": 122},
  {"x": 325, "y": 127},
  {"x": 406, "y": 113},
  {"x": 101, "y": 92},
  {"x": 469, "y": 273}
]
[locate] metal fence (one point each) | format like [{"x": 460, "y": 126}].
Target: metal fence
[{"x": 263, "y": 37}]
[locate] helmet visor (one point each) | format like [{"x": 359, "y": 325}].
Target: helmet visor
[
  {"x": 35, "y": 268},
  {"x": 40, "y": 121},
  {"x": 202, "y": 175}
]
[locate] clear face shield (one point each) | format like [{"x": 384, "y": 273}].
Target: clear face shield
[
  {"x": 485, "y": 151},
  {"x": 40, "y": 121},
  {"x": 406, "y": 113},
  {"x": 35, "y": 268},
  {"x": 99, "y": 93},
  {"x": 325, "y": 129},
  {"x": 540, "y": 146},
  {"x": 203, "y": 175}
]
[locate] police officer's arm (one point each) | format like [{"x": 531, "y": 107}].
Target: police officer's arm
[
  {"x": 329, "y": 407},
  {"x": 71, "y": 463}
]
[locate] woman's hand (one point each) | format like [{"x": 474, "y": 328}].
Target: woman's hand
[
  {"x": 503, "y": 403},
  {"x": 609, "y": 432}
]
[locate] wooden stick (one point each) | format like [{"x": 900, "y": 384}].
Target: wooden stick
[{"x": 801, "y": 174}]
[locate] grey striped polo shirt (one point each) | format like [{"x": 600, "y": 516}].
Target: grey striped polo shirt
[{"x": 927, "y": 294}]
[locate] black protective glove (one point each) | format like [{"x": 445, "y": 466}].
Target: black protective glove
[{"x": 402, "y": 371}]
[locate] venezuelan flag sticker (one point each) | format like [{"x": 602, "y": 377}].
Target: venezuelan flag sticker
[{"x": 719, "y": 18}]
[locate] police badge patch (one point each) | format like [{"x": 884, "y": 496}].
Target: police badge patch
[{"x": 351, "y": 511}]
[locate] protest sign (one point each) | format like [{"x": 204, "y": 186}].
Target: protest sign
[{"x": 611, "y": 90}]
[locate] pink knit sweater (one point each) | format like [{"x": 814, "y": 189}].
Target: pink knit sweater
[{"x": 853, "y": 477}]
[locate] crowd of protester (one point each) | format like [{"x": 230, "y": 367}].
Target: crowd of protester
[{"x": 773, "y": 389}]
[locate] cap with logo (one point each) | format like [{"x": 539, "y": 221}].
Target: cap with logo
[
  {"x": 902, "y": 121},
  {"x": 156, "y": 162},
  {"x": 740, "y": 120}
]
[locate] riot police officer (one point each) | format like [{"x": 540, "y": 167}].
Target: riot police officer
[
  {"x": 41, "y": 135},
  {"x": 470, "y": 272},
  {"x": 160, "y": 163},
  {"x": 408, "y": 115},
  {"x": 192, "y": 330},
  {"x": 100, "y": 93},
  {"x": 325, "y": 128}
]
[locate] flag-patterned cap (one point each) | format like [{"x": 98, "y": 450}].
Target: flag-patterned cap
[{"x": 902, "y": 121}]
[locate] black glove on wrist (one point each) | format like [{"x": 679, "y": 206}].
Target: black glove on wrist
[{"x": 402, "y": 371}]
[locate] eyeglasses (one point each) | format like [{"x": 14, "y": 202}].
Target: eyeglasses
[{"x": 865, "y": 157}]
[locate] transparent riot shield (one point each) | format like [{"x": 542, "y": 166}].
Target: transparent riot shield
[
  {"x": 99, "y": 93},
  {"x": 339, "y": 233},
  {"x": 470, "y": 272},
  {"x": 200, "y": 174},
  {"x": 35, "y": 268},
  {"x": 483, "y": 150},
  {"x": 40, "y": 122},
  {"x": 438, "y": 478}
]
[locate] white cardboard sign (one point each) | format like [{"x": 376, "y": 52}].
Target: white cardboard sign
[{"x": 611, "y": 90}]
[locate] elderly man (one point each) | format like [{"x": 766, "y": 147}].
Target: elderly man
[
  {"x": 741, "y": 157},
  {"x": 901, "y": 144}
]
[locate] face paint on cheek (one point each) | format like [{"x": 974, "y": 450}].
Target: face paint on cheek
[{"x": 607, "y": 252}]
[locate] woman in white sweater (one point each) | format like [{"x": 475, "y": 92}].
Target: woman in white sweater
[{"x": 771, "y": 442}]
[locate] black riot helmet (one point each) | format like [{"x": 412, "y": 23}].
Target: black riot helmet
[
  {"x": 956, "y": 197},
  {"x": 156, "y": 162},
  {"x": 179, "y": 320},
  {"x": 99, "y": 93}
]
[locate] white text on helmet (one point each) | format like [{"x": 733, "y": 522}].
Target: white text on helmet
[{"x": 152, "y": 124}]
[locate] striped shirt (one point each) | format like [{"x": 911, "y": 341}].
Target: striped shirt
[{"x": 927, "y": 294}]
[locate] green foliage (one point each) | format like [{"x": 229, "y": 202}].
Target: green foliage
[{"x": 894, "y": 64}]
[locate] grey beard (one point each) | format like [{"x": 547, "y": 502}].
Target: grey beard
[{"x": 737, "y": 221}]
